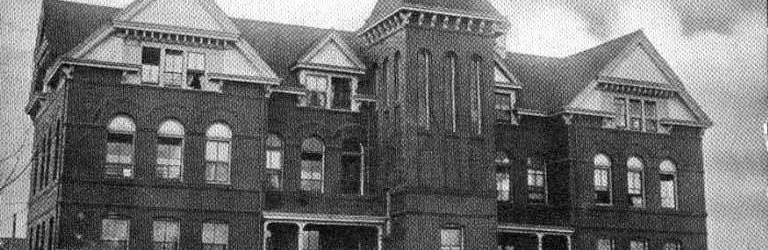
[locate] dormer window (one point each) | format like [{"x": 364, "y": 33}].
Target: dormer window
[
  {"x": 330, "y": 91},
  {"x": 176, "y": 68},
  {"x": 504, "y": 106}
]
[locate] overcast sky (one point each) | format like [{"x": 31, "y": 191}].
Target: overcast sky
[{"x": 718, "y": 47}]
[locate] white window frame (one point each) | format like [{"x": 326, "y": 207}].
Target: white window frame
[
  {"x": 512, "y": 103},
  {"x": 674, "y": 184},
  {"x": 596, "y": 167},
  {"x": 133, "y": 145},
  {"x": 329, "y": 91},
  {"x": 643, "y": 119},
  {"x": 641, "y": 173},
  {"x": 181, "y": 145},
  {"x": 219, "y": 140}
]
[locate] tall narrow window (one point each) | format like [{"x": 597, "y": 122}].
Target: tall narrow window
[
  {"x": 605, "y": 244},
  {"x": 115, "y": 233},
  {"x": 451, "y": 239},
  {"x": 602, "y": 179},
  {"x": 504, "y": 104},
  {"x": 396, "y": 79},
  {"x": 217, "y": 154},
  {"x": 170, "y": 142},
  {"x": 384, "y": 85},
  {"x": 635, "y": 192},
  {"x": 638, "y": 245},
  {"x": 502, "y": 177},
  {"x": 120, "y": 140},
  {"x": 476, "y": 107},
  {"x": 312, "y": 165},
  {"x": 452, "y": 78},
  {"x": 215, "y": 236},
  {"x": 537, "y": 180},
  {"x": 342, "y": 93},
  {"x": 173, "y": 75},
  {"x": 651, "y": 120},
  {"x": 165, "y": 235},
  {"x": 620, "y": 105},
  {"x": 668, "y": 178},
  {"x": 425, "y": 111},
  {"x": 150, "y": 65},
  {"x": 635, "y": 115},
  {"x": 274, "y": 164},
  {"x": 352, "y": 166},
  {"x": 57, "y": 151},
  {"x": 317, "y": 85}
]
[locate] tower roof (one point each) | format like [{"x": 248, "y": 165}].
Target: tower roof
[{"x": 475, "y": 8}]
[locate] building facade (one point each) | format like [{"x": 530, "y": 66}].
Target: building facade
[{"x": 169, "y": 125}]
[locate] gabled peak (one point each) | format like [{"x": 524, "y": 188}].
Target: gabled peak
[
  {"x": 193, "y": 17},
  {"x": 332, "y": 53}
]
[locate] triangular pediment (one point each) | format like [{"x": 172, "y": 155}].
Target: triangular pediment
[
  {"x": 503, "y": 78},
  {"x": 332, "y": 53},
  {"x": 636, "y": 64},
  {"x": 193, "y": 15}
]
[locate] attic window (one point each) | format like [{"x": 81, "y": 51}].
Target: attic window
[
  {"x": 150, "y": 61},
  {"x": 636, "y": 115}
]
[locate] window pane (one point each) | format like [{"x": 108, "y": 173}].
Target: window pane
[
  {"x": 274, "y": 141},
  {"x": 215, "y": 233},
  {"x": 196, "y": 61},
  {"x": 450, "y": 238},
  {"x": 219, "y": 131},
  {"x": 503, "y": 107},
  {"x": 171, "y": 127},
  {"x": 620, "y": 109},
  {"x": 636, "y": 114},
  {"x": 668, "y": 191},
  {"x": 638, "y": 245},
  {"x": 604, "y": 244},
  {"x": 671, "y": 246},
  {"x": 502, "y": 186},
  {"x": 274, "y": 159},
  {"x": 114, "y": 230},
  {"x": 165, "y": 231},
  {"x": 342, "y": 93},
  {"x": 211, "y": 151},
  {"x": 122, "y": 124},
  {"x": 150, "y": 56}
]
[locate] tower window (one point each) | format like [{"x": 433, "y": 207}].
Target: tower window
[
  {"x": 476, "y": 106},
  {"x": 426, "y": 75},
  {"x": 452, "y": 77}
]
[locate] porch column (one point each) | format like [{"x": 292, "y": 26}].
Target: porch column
[
  {"x": 379, "y": 237},
  {"x": 267, "y": 234},
  {"x": 569, "y": 241},
  {"x": 302, "y": 236},
  {"x": 540, "y": 236}
]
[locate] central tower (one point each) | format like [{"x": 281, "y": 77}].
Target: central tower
[{"x": 434, "y": 62}]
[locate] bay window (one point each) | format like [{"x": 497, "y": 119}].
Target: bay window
[
  {"x": 504, "y": 106},
  {"x": 329, "y": 91}
]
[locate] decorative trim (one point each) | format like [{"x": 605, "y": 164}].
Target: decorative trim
[
  {"x": 325, "y": 218},
  {"x": 211, "y": 7},
  {"x": 251, "y": 79},
  {"x": 430, "y": 10},
  {"x": 526, "y": 228},
  {"x": 625, "y": 87},
  {"x": 159, "y": 28},
  {"x": 304, "y": 62},
  {"x": 418, "y": 16},
  {"x": 321, "y": 67}
]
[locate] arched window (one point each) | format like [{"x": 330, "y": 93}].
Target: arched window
[
  {"x": 668, "y": 179},
  {"x": 476, "y": 106},
  {"x": 121, "y": 132},
  {"x": 425, "y": 61},
  {"x": 170, "y": 143},
  {"x": 352, "y": 167},
  {"x": 537, "y": 180},
  {"x": 217, "y": 154},
  {"x": 384, "y": 85},
  {"x": 602, "y": 179},
  {"x": 452, "y": 66},
  {"x": 635, "y": 192},
  {"x": 312, "y": 165},
  {"x": 274, "y": 148},
  {"x": 502, "y": 176}
]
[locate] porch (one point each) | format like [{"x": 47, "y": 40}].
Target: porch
[
  {"x": 533, "y": 237},
  {"x": 290, "y": 231}
]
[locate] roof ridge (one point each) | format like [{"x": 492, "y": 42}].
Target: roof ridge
[{"x": 609, "y": 42}]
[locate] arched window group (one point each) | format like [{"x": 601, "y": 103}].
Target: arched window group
[
  {"x": 169, "y": 157},
  {"x": 635, "y": 182}
]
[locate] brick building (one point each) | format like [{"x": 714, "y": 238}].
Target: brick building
[{"x": 168, "y": 125}]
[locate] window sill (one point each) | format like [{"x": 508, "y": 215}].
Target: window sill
[{"x": 349, "y": 111}]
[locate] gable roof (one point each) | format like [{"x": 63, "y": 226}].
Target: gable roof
[
  {"x": 332, "y": 43},
  {"x": 130, "y": 13},
  {"x": 477, "y": 8}
]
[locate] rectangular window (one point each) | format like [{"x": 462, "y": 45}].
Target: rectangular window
[
  {"x": 477, "y": 112},
  {"x": 638, "y": 245},
  {"x": 602, "y": 185},
  {"x": 165, "y": 235},
  {"x": 424, "y": 104},
  {"x": 635, "y": 188},
  {"x": 620, "y": 105},
  {"x": 312, "y": 240},
  {"x": 217, "y": 162},
  {"x": 504, "y": 107},
  {"x": 312, "y": 171},
  {"x": 451, "y": 239},
  {"x": 537, "y": 186},
  {"x": 115, "y": 233},
  {"x": 502, "y": 184},
  {"x": 196, "y": 61},
  {"x": 671, "y": 246},
  {"x": 651, "y": 120},
  {"x": 604, "y": 244},
  {"x": 453, "y": 76},
  {"x": 318, "y": 90},
  {"x": 342, "y": 93},
  {"x": 174, "y": 67},
  {"x": 215, "y": 236},
  {"x": 169, "y": 157},
  {"x": 635, "y": 115},
  {"x": 275, "y": 168},
  {"x": 351, "y": 173},
  {"x": 119, "y": 162},
  {"x": 150, "y": 61},
  {"x": 667, "y": 190}
]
